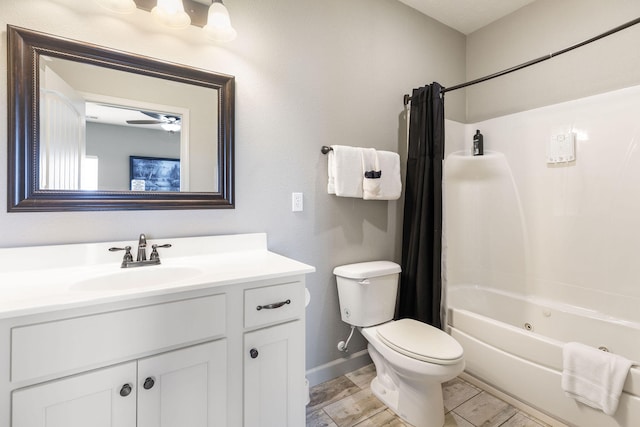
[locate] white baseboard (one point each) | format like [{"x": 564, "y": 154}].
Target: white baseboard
[{"x": 338, "y": 367}]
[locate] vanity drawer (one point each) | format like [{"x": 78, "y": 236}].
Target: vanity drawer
[
  {"x": 273, "y": 304},
  {"x": 83, "y": 342}
]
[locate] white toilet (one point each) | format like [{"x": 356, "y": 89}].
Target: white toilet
[{"x": 412, "y": 359}]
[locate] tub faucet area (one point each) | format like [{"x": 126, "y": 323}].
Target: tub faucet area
[{"x": 141, "y": 259}]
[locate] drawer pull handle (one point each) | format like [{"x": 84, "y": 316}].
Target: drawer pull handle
[
  {"x": 274, "y": 305},
  {"x": 125, "y": 390},
  {"x": 253, "y": 353},
  {"x": 148, "y": 383}
]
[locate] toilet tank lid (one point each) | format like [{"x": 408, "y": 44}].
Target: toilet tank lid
[{"x": 365, "y": 270}]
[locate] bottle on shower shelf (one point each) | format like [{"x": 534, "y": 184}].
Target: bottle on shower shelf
[{"x": 478, "y": 149}]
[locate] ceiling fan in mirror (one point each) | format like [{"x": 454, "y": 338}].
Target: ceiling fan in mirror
[{"x": 168, "y": 122}]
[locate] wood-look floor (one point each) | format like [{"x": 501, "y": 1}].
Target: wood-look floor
[{"x": 347, "y": 401}]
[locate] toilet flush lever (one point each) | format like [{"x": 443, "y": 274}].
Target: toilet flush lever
[{"x": 364, "y": 282}]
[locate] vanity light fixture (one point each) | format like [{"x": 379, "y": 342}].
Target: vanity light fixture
[
  {"x": 171, "y": 13},
  {"x": 218, "y": 26},
  {"x": 211, "y": 15}
]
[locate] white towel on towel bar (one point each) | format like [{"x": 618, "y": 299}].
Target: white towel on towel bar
[
  {"x": 345, "y": 171},
  {"x": 390, "y": 185},
  {"x": 371, "y": 174},
  {"x": 593, "y": 377}
]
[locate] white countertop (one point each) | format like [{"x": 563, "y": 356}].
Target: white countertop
[{"x": 46, "y": 278}]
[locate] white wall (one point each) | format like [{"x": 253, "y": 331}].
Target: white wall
[{"x": 308, "y": 73}]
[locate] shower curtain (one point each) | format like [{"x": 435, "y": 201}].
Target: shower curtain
[{"x": 421, "y": 283}]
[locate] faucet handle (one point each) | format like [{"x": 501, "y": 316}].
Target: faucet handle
[
  {"x": 154, "y": 253},
  {"x": 127, "y": 254}
]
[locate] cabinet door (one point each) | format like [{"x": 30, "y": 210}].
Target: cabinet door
[
  {"x": 274, "y": 376},
  {"x": 92, "y": 399},
  {"x": 186, "y": 387}
]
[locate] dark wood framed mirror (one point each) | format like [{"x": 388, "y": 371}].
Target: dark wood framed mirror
[{"x": 57, "y": 137}]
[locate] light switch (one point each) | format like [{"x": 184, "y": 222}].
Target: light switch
[{"x": 296, "y": 202}]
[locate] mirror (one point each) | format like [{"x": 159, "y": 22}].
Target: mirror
[{"x": 97, "y": 129}]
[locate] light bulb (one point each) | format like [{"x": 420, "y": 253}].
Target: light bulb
[
  {"x": 218, "y": 26},
  {"x": 171, "y": 13}
]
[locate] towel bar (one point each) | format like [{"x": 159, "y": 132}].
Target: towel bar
[{"x": 325, "y": 149}]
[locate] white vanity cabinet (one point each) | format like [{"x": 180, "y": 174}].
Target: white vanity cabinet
[
  {"x": 90, "y": 399},
  {"x": 185, "y": 387},
  {"x": 172, "y": 389},
  {"x": 273, "y": 367},
  {"x": 274, "y": 356},
  {"x": 222, "y": 347}
]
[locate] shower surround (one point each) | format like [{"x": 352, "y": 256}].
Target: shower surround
[{"x": 564, "y": 233}]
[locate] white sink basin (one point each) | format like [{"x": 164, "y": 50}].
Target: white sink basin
[{"x": 136, "y": 278}]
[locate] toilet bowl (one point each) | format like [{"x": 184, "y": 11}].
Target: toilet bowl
[
  {"x": 412, "y": 387},
  {"x": 412, "y": 359}
]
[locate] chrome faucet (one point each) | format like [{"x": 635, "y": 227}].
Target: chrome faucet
[
  {"x": 141, "y": 260},
  {"x": 142, "y": 248}
]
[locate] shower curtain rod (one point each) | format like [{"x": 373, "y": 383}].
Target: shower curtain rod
[{"x": 407, "y": 97}]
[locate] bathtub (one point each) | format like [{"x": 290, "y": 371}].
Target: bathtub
[{"x": 514, "y": 343}]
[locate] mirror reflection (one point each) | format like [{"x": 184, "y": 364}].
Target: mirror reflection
[
  {"x": 93, "y": 120},
  {"x": 117, "y": 141}
]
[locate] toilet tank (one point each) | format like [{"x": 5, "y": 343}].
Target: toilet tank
[{"x": 367, "y": 292}]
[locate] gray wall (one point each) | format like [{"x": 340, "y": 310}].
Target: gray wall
[
  {"x": 114, "y": 144},
  {"x": 543, "y": 27},
  {"x": 309, "y": 73}
]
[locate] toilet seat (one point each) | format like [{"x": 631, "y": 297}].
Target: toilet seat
[{"x": 420, "y": 341}]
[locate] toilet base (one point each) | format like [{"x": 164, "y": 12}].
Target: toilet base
[
  {"x": 426, "y": 411},
  {"x": 410, "y": 388},
  {"x": 386, "y": 396}
]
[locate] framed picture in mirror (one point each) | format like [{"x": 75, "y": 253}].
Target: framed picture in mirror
[{"x": 154, "y": 174}]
